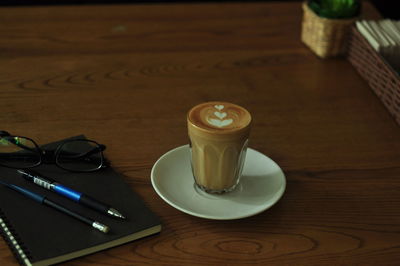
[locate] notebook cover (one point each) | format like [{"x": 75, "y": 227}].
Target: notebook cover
[{"x": 47, "y": 236}]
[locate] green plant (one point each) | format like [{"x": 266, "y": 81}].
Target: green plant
[{"x": 335, "y": 9}]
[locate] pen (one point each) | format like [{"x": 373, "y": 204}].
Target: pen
[
  {"x": 79, "y": 197},
  {"x": 45, "y": 201}
]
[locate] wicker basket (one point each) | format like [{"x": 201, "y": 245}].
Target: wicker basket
[
  {"x": 382, "y": 78},
  {"x": 325, "y": 37}
]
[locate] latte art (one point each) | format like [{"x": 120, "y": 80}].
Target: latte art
[
  {"x": 219, "y": 116},
  {"x": 219, "y": 122}
]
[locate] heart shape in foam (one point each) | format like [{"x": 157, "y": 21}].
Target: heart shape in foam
[
  {"x": 219, "y": 123},
  {"x": 219, "y": 107},
  {"x": 220, "y": 115}
]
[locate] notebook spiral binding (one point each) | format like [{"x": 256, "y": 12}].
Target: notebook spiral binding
[{"x": 13, "y": 241}]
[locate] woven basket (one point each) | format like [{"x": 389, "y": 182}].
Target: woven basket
[
  {"x": 325, "y": 37},
  {"x": 381, "y": 77}
]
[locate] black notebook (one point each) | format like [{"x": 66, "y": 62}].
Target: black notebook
[{"x": 40, "y": 235}]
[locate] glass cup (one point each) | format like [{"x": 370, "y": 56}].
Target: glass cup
[{"x": 218, "y": 133}]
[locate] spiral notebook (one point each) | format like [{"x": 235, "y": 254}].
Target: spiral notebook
[{"x": 39, "y": 235}]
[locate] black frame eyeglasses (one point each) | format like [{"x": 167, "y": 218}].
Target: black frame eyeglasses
[{"x": 75, "y": 155}]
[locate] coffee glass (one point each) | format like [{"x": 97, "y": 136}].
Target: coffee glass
[{"x": 218, "y": 133}]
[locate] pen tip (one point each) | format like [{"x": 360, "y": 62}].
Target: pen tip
[{"x": 115, "y": 213}]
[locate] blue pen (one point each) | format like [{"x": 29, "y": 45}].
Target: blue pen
[
  {"x": 45, "y": 201},
  {"x": 79, "y": 197}
]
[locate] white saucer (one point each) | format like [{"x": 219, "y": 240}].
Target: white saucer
[{"x": 261, "y": 186}]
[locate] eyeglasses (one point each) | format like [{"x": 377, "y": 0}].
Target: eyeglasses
[{"x": 75, "y": 155}]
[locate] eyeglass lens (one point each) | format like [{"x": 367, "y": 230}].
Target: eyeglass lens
[
  {"x": 79, "y": 155},
  {"x": 18, "y": 152}
]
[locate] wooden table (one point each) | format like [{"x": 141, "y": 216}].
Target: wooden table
[{"x": 125, "y": 75}]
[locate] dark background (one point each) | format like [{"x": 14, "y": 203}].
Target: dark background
[{"x": 386, "y": 7}]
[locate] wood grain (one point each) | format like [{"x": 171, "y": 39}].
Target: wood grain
[{"x": 125, "y": 75}]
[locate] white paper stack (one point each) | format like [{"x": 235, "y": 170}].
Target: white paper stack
[{"x": 384, "y": 37}]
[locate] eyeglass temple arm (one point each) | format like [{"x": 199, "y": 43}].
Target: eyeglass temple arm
[{"x": 4, "y": 133}]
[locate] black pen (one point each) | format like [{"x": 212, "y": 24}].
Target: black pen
[
  {"x": 79, "y": 197},
  {"x": 43, "y": 200}
]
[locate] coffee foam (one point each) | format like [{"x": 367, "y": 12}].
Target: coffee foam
[{"x": 219, "y": 118}]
